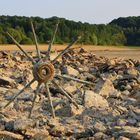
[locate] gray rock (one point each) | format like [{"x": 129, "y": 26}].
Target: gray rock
[
  {"x": 128, "y": 87},
  {"x": 42, "y": 136},
  {"x": 68, "y": 110},
  {"x": 22, "y": 124},
  {"x": 126, "y": 93},
  {"x": 84, "y": 134},
  {"x": 126, "y": 131},
  {"x": 99, "y": 127},
  {"x": 57, "y": 131},
  {"x": 121, "y": 122},
  {"x": 100, "y": 136},
  {"x": 9, "y": 125},
  {"x": 131, "y": 121}
]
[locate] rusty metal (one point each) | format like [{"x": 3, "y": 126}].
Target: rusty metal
[{"x": 44, "y": 73}]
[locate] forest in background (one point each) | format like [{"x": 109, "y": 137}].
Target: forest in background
[{"x": 121, "y": 31}]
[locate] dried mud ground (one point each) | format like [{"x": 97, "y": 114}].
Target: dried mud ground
[
  {"x": 109, "y": 109},
  {"x": 107, "y": 51}
]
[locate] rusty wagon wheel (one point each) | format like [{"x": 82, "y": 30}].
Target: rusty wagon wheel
[{"x": 44, "y": 71}]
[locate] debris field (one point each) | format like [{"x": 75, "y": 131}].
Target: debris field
[{"x": 109, "y": 108}]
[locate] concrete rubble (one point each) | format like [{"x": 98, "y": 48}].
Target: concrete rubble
[{"x": 109, "y": 109}]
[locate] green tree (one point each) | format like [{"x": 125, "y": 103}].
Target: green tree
[{"x": 16, "y": 34}]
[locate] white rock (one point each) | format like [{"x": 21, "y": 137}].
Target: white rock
[
  {"x": 93, "y": 99},
  {"x": 108, "y": 89},
  {"x": 72, "y": 71},
  {"x": 123, "y": 138},
  {"x": 70, "y": 88}
]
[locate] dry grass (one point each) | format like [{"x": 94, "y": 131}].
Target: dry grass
[{"x": 107, "y": 51}]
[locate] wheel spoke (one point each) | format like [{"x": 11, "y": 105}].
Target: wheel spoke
[
  {"x": 36, "y": 43},
  {"x": 19, "y": 46},
  {"x": 65, "y": 93},
  {"x": 14, "y": 97},
  {"x": 65, "y": 50},
  {"x": 33, "y": 103},
  {"x": 51, "y": 43},
  {"x": 74, "y": 79},
  {"x": 50, "y": 100}
]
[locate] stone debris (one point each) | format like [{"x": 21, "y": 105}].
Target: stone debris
[
  {"x": 108, "y": 109},
  {"x": 92, "y": 99},
  {"x": 5, "y": 135}
]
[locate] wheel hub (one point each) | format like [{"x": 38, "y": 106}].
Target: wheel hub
[{"x": 43, "y": 72}]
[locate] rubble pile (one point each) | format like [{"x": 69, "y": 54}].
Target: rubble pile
[{"x": 109, "y": 109}]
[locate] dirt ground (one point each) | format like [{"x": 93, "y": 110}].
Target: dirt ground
[{"x": 107, "y": 51}]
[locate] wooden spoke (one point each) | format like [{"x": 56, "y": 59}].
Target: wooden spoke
[
  {"x": 74, "y": 79},
  {"x": 65, "y": 93},
  {"x": 19, "y": 46},
  {"x": 14, "y": 97},
  {"x": 65, "y": 50},
  {"x": 35, "y": 39},
  {"x": 50, "y": 100}
]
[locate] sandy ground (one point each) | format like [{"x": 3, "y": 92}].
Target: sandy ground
[{"x": 107, "y": 51}]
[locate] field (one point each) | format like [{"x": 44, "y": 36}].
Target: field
[{"x": 107, "y": 51}]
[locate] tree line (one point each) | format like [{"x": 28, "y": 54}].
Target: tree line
[
  {"x": 122, "y": 31},
  {"x": 131, "y": 29}
]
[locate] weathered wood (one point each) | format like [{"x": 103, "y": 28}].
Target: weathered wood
[
  {"x": 19, "y": 46},
  {"x": 14, "y": 97},
  {"x": 65, "y": 50},
  {"x": 65, "y": 93},
  {"x": 50, "y": 100},
  {"x": 74, "y": 79},
  {"x": 35, "y": 96},
  {"x": 36, "y": 43},
  {"x": 50, "y": 44}
]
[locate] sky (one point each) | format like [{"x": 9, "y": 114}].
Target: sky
[{"x": 91, "y": 11}]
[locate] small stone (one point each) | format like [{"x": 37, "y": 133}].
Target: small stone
[
  {"x": 57, "y": 131},
  {"x": 132, "y": 71},
  {"x": 100, "y": 136},
  {"x": 128, "y": 87},
  {"x": 42, "y": 136},
  {"x": 138, "y": 124},
  {"x": 130, "y": 131},
  {"x": 22, "y": 125},
  {"x": 84, "y": 134},
  {"x": 26, "y": 96},
  {"x": 9, "y": 125},
  {"x": 99, "y": 127},
  {"x": 121, "y": 122},
  {"x": 136, "y": 95},
  {"x": 34, "y": 85},
  {"x": 72, "y": 71},
  {"x": 131, "y": 121},
  {"x": 126, "y": 93},
  {"x": 68, "y": 110},
  {"x": 17, "y": 58},
  {"x": 123, "y": 138},
  {"x": 70, "y": 88}
]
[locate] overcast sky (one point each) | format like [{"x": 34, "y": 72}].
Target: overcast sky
[{"x": 92, "y": 11}]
